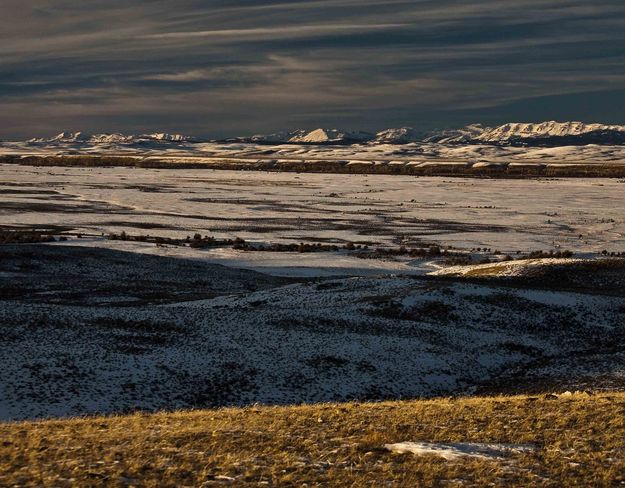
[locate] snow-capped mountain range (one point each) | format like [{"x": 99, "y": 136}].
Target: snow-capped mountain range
[
  {"x": 521, "y": 134},
  {"x": 549, "y": 133},
  {"x": 78, "y": 137},
  {"x": 546, "y": 133}
]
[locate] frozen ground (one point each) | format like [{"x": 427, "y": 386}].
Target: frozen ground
[
  {"x": 95, "y": 325},
  {"x": 584, "y": 216},
  {"x": 94, "y": 330}
]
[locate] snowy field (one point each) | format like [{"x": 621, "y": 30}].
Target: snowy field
[
  {"x": 94, "y": 330},
  {"x": 584, "y": 216},
  {"x": 96, "y": 325}
]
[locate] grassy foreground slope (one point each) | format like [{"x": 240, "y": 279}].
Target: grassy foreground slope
[{"x": 579, "y": 441}]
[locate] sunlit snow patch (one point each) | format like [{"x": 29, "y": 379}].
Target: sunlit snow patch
[{"x": 455, "y": 451}]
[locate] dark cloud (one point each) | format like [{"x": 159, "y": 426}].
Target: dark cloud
[{"x": 230, "y": 67}]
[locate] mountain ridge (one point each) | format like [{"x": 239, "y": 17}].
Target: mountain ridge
[
  {"x": 520, "y": 132},
  {"x": 513, "y": 133},
  {"x": 549, "y": 133},
  {"x": 110, "y": 138}
]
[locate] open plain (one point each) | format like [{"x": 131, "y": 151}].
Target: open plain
[{"x": 164, "y": 289}]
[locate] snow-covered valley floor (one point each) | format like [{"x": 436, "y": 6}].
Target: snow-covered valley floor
[
  {"x": 94, "y": 325},
  {"x": 583, "y": 215}
]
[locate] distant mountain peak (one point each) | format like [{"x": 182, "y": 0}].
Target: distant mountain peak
[
  {"x": 162, "y": 136},
  {"x": 325, "y": 136},
  {"x": 401, "y": 135},
  {"x": 315, "y": 136}
]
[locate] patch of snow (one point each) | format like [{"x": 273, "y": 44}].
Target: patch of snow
[
  {"x": 460, "y": 450},
  {"x": 504, "y": 268}
]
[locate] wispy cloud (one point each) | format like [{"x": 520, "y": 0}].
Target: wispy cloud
[
  {"x": 288, "y": 32},
  {"x": 236, "y": 66}
]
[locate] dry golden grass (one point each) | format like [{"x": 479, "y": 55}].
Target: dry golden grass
[
  {"x": 580, "y": 441},
  {"x": 491, "y": 270}
]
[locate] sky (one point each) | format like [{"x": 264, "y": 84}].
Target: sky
[{"x": 220, "y": 68}]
